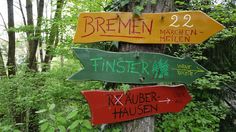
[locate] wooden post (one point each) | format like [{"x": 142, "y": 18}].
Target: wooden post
[{"x": 145, "y": 124}]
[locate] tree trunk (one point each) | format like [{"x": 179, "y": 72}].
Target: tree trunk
[
  {"x": 145, "y": 124},
  {"x": 41, "y": 51},
  {"x": 11, "y": 64},
  {"x": 38, "y": 31},
  {"x": 11, "y": 58},
  {"x": 2, "y": 66},
  {"x": 30, "y": 34},
  {"x": 33, "y": 35},
  {"x": 53, "y": 36}
]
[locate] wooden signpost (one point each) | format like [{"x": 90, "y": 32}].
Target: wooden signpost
[
  {"x": 116, "y": 106},
  {"x": 135, "y": 67},
  {"x": 189, "y": 27}
]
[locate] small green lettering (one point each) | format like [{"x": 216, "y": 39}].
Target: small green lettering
[{"x": 184, "y": 70}]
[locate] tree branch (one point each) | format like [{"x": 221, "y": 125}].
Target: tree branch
[
  {"x": 21, "y": 10},
  {"x": 4, "y": 22}
]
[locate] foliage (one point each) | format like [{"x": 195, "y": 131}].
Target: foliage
[
  {"x": 59, "y": 103},
  {"x": 206, "y": 82},
  {"x": 197, "y": 116},
  {"x": 204, "y": 112},
  {"x": 118, "y": 5},
  {"x": 71, "y": 118}
]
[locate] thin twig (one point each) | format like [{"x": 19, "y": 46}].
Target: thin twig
[
  {"x": 4, "y": 22},
  {"x": 21, "y": 10}
]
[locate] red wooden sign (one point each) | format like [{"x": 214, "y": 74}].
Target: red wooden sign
[{"x": 116, "y": 106}]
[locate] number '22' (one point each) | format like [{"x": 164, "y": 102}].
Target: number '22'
[{"x": 187, "y": 17}]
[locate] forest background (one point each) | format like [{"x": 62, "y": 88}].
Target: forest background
[{"x": 36, "y": 60}]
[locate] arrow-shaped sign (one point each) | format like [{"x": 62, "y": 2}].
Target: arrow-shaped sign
[
  {"x": 135, "y": 67},
  {"x": 116, "y": 106},
  {"x": 189, "y": 27}
]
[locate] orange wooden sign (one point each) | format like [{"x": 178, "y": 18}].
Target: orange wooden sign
[{"x": 189, "y": 27}]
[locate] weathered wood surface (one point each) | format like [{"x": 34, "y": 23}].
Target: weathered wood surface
[
  {"x": 116, "y": 106},
  {"x": 188, "y": 27},
  {"x": 135, "y": 67}
]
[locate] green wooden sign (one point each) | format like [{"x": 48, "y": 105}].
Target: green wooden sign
[{"x": 135, "y": 67}]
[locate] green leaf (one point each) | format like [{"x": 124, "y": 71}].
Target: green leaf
[
  {"x": 72, "y": 114},
  {"x": 153, "y": 2},
  {"x": 87, "y": 124},
  {"x": 51, "y": 129},
  {"x": 19, "y": 124},
  {"x": 16, "y": 131},
  {"x": 138, "y": 10},
  {"x": 41, "y": 111},
  {"x": 62, "y": 128},
  {"x": 61, "y": 120},
  {"x": 124, "y": 2},
  {"x": 116, "y": 130},
  {"x": 83, "y": 129},
  {"x": 42, "y": 121},
  {"x": 74, "y": 125},
  {"x": 115, "y": 43},
  {"x": 44, "y": 127},
  {"x": 52, "y": 117},
  {"x": 125, "y": 87},
  {"x": 182, "y": 130},
  {"x": 52, "y": 106}
]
